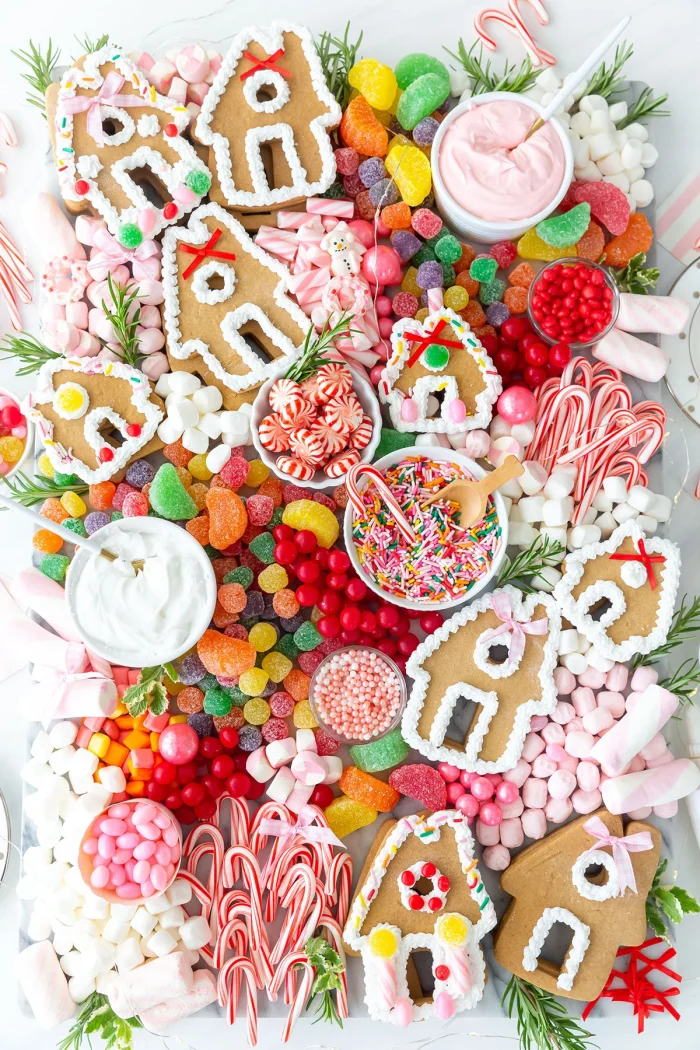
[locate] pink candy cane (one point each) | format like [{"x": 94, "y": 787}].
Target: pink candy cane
[{"x": 356, "y": 471}]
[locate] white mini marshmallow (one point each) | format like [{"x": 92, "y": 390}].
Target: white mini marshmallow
[
  {"x": 34, "y": 771},
  {"x": 531, "y": 508},
  {"x": 207, "y": 399},
  {"x": 41, "y": 747},
  {"x": 95, "y": 907},
  {"x": 637, "y": 131},
  {"x": 617, "y": 112},
  {"x": 601, "y": 145},
  {"x": 647, "y": 524},
  {"x": 616, "y": 489},
  {"x": 195, "y": 932},
  {"x": 508, "y": 503},
  {"x": 162, "y": 943},
  {"x": 95, "y": 799},
  {"x": 581, "y": 123},
  {"x": 547, "y": 579},
  {"x": 183, "y": 384},
  {"x": 662, "y": 508},
  {"x": 559, "y": 485},
  {"x": 568, "y": 641},
  {"x": 602, "y": 502},
  {"x": 601, "y": 122},
  {"x": 634, "y": 173},
  {"x": 598, "y": 661},
  {"x": 589, "y": 172},
  {"x": 306, "y": 740},
  {"x": 520, "y": 534},
  {"x": 282, "y": 786},
  {"x": 558, "y": 511},
  {"x": 503, "y": 447},
  {"x": 555, "y": 534},
  {"x": 157, "y": 905},
  {"x": 582, "y": 153},
  {"x": 116, "y": 931},
  {"x": 258, "y": 767},
  {"x": 334, "y": 768},
  {"x": 582, "y": 535},
  {"x": 574, "y": 662},
  {"x": 523, "y": 432},
  {"x": 623, "y": 512},
  {"x": 143, "y": 923},
  {"x": 607, "y": 524},
  {"x": 84, "y": 764},
  {"x": 210, "y": 424},
  {"x": 179, "y": 893},
  {"x": 511, "y": 489},
  {"x": 619, "y": 179},
  {"x": 36, "y": 858},
  {"x": 173, "y": 918},
  {"x": 533, "y": 477},
  {"x": 39, "y": 926},
  {"x": 649, "y": 156},
  {"x": 195, "y": 441},
  {"x": 168, "y": 432},
  {"x": 499, "y": 428},
  {"x": 129, "y": 955},
  {"x": 642, "y": 193},
  {"x": 589, "y": 517},
  {"x": 641, "y": 498},
  {"x": 112, "y": 778},
  {"x": 611, "y": 164},
  {"x": 218, "y": 458},
  {"x": 49, "y": 832},
  {"x": 279, "y": 752},
  {"x": 631, "y": 153},
  {"x": 163, "y": 385},
  {"x": 590, "y": 103},
  {"x": 182, "y": 413},
  {"x": 62, "y": 734}
]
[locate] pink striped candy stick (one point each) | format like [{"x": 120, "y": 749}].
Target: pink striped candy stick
[
  {"x": 651, "y": 787},
  {"x": 652, "y": 313},
  {"x": 323, "y": 206},
  {"x": 634, "y": 730},
  {"x": 356, "y": 471}
]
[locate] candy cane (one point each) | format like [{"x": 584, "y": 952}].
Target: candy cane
[
  {"x": 539, "y": 55},
  {"x": 227, "y": 987},
  {"x": 239, "y": 819},
  {"x": 234, "y": 937},
  {"x": 295, "y": 961},
  {"x": 251, "y": 874},
  {"x": 9, "y": 135},
  {"x": 298, "y": 893},
  {"x": 339, "y": 884},
  {"x": 515, "y": 24},
  {"x": 384, "y": 491},
  {"x": 328, "y": 923}
]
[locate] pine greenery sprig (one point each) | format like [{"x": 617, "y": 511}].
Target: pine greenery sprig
[
  {"x": 543, "y": 553},
  {"x": 685, "y": 623},
  {"x": 125, "y": 320},
  {"x": 315, "y": 348},
  {"x": 27, "y": 351},
  {"x": 338, "y": 56},
  {"x": 683, "y": 682},
  {"x": 40, "y": 70},
  {"x": 542, "y": 1020},
  {"x": 32, "y": 491},
  {"x": 329, "y": 967},
  {"x": 634, "y": 277},
  {"x": 667, "y": 903},
  {"x": 518, "y": 79},
  {"x": 88, "y": 46},
  {"x": 149, "y": 694},
  {"x": 96, "y": 1017},
  {"x": 646, "y": 106},
  {"x": 607, "y": 79}
]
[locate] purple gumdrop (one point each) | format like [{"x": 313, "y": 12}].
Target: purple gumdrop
[
  {"x": 371, "y": 171},
  {"x": 496, "y": 314},
  {"x": 202, "y": 724},
  {"x": 291, "y": 624},
  {"x": 396, "y": 129},
  {"x": 97, "y": 519},
  {"x": 425, "y": 131},
  {"x": 429, "y": 275},
  {"x": 249, "y": 738},
  {"x": 140, "y": 473},
  {"x": 191, "y": 670},
  {"x": 384, "y": 193},
  {"x": 405, "y": 244},
  {"x": 255, "y": 604}
]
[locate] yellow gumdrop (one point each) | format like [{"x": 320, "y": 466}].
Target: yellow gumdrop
[
  {"x": 307, "y": 514},
  {"x": 273, "y": 579},
  {"x": 257, "y": 473},
  {"x": 375, "y": 81},
  {"x": 197, "y": 467},
  {"x": 75, "y": 506},
  {"x": 345, "y": 816},
  {"x": 421, "y": 314},
  {"x": 303, "y": 716},
  {"x": 253, "y": 681},
  {"x": 45, "y": 466},
  {"x": 256, "y": 711},
  {"x": 409, "y": 283},
  {"x": 456, "y": 298},
  {"x": 383, "y": 943},
  {"x": 11, "y": 449},
  {"x": 411, "y": 171},
  {"x": 530, "y": 246},
  {"x": 262, "y": 636},
  {"x": 277, "y": 666},
  {"x": 453, "y": 930}
]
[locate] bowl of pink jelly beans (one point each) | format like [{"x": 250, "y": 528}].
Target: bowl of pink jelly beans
[
  {"x": 16, "y": 435},
  {"x": 131, "y": 851}
]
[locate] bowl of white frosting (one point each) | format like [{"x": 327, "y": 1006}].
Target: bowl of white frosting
[
  {"x": 490, "y": 184},
  {"x": 140, "y": 619}
]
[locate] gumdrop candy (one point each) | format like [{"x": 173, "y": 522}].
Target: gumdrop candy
[
  {"x": 567, "y": 228},
  {"x": 191, "y": 700},
  {"x": 426, "y": 254},
  {"x": 308, "y": 662},
  {"x": 425, "y": 131},
  {"x": 95, "y": 521},
  {"x": 262, "y": 637},
  {"x": 363, "y": 787},
  {"x": 424, "y": 95},
  {"x": 448, "y": 274},
  {"x": 463, "y": 280},
  {"x": 277, "y": 666},
  {"x": 411, "y": 171},
  {"x": 609, "y": 204},
  {"x": 370, "y": 171},
  {"x": 47, "y": 542},
  {"x": 101, "y": 495},
  {"x": 352, "y": 184},
  {"x": 54, "y": 566},
  {"x": 227, "y": 517},
  {"x": 384, "y": 192},
  {"x": 134, "y": 506},
  {"x": 183, "y": 474},
  {"x": 492, "y": 291},
  {"x": 429, "y": 275},
  {"x": 375, "y": 81},
  {"x": 522, "y": 276},
  {"x": 297, "y": 685},
  {"x": 216, "y": 702},
  {"x": 448, "y": 249},
  {"x": 468, "y": 256},
  {"x": 273, "y": 578},
  {"x": 191, "y": 670},
  {"x": 497, "y": 313},
  {"x": 285, "y": 603},
  {"x": 241, "y": 574},
  {"x": 198, "y": 468},
  {"x": 306, "y": 514},
  {"x": 256, "y": 711},
  {"x": 274, "y": 729},
  {"x": 409, "y": 283},
  {"x": 592, "y": 244},
  {"x": 281, "y": 703},
  {"x": 234, "y": 473},
  {"x": 178, "y": 455},
  {"x": 273, "y": 488},
  {"x": 360, "y": 129},
  {"x": 253, "y": 681},
  {"x": 77, "y": 526},
  {"x": 257, "y": 473},
  {"x": 483, "y": 268},
  {"x": 346, "y": 160},
  {"x": 422, "y": 783},
  {"x": 396, "y": 216},
  {"x": 255, "y": 603},
  {"x": 307, "y": 637},
  {"x": 168, "y": 496},
  {"x": 415, "y": 65},
  {"x": 303, "y": 716},
  {"x": 473, "y": 314},
  {"x": 249, "y": 738},
  {"x": 404, "y": 305},
  {"x": 516, "y": 300},
  {"x": 405, "y": 244},
  {"x": 426, "y": 223},
  {"x": 637, "y": 238},
  {"x": 456, "y": 297},
  {"x": 530, "y": 246},
  {"x": 224, "y": 656},
  {"x": 380, "y": 754},
  {"x": 345, "y": 816},
  {"x": 286, "y": 644},
  {"x": 326, "y": 744},
  {"x": 504, "y": 253},
  {"x": 259, "y": 509},
  {"x": 232, "y": 597},
  {"x": 263, "y": 547}
]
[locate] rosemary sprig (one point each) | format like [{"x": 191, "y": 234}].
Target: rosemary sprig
[
  {"x": 31, "y": 491},
  {"x": 542, "y": 553},
  {"x": 313, "y": 352},
  {"x": 646, "y": 106},
  {"x": 542, "y": 1020},
  {"x": 666, "y": 903},
  {"x": 40, "y": 70},
  {"x": 634, "y": 277},
  {"x": 483, "y": 78},
  {"x": 607, "y": 79},
  {"x": 329, "y": 967},
  {"x": 149, "y": 694},
  {"x": 125, "y": 319},
  {"x": 27, "y": 351},
  {"x": 88, "y": 46},
  {"x": 684, "y": 681},
  {"x": 96, "y": 1017},
  {"x": 685, "y": 623},
  {"x": 338, "y": 56}
]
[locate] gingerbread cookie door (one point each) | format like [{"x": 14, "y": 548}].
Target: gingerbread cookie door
[
  {"x": 499, "y": 653},
  {"x": 269, "y": 101},
  {"x": 220, "y": 288},
  {"x": 121, "y": 149}
]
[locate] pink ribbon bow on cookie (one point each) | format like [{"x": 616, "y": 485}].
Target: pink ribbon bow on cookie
[
  {"x": 500, "y": 603},
  {"x": 145, "y": 260},
  {"x": 304, "y": 828},
  {"x": 108, "y": 95},
  {"x": 621, "y": 849}
]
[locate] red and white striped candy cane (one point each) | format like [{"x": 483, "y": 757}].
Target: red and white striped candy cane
[
  {"x": 239, "y": 819},
  {"x": 236, "y": 905},
  {"x": 339, "y": 885},
  {"x": 513, "y": 21},
  {"x": 355, "y": 472},
  {"x": 293, "y": 963},
  {"x": 298, "y": 894},
  {"x": 335, "y": 932},
  {"x": 232, "y": 937},
  {"x": 227, "y": 987},
  {"x": 250, "y": 873}
]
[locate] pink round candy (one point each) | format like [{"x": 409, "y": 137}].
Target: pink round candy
[
  {"x": 468, "y": 806},
  {"x": 99, "y": 877},
  {"x": 128, "y": 840},
  {"x": 178, "y": 744},
  {"x": 507, "y": 792},
  {"x": 558, "y": 810},
  {"x": 448, "y": 773},
  {"x": 144, "y": 850},
  {"x": 456, "y": 410},
  {"x": 129, "y": 868},
  {"x": 117, "y": 874},
  {"x": 364, "y": 231},
  {"x": 444, "y": 1006},
  {"x": 579, "y": 744},
  {"x": 382, "y": 265},
  {"x": 141, "y": 871},
  {"x": 175, "y": 853},
  {"x": 106, "y": 846},
  {"x": 586, "y": 801},
  {"x": 534, "y": 823},
  {"x": 564, "y": 681},
  {"x": 158, "y": 877},
  {"x": 497, "y": 857},
  {"x": 481, "y": 788},
  {"x": 403, "y": 1012},
  {"x": 99, "y": 861},
  {"x": 90, "y": 846},
  {"x": 113, "y": 827},
  {"x": 588, "y": 776},
  {"x": 121, "y": 811},
  {"x": 162, "y": 820},
  {"x": 465, "y": 778},
  {"x": 511, "y": 832},
  {"x": 122, "y": 855},
  {"x": 453, "y": 792},
  {"x": 490, "y": 813},
  {"x": 144, "y": 813},
  {"x": 383, "y": 307},
  {"x": 517, "y": 404},
  {"x": 561, "y": 784},
  {"x": 409, "y": 410}
]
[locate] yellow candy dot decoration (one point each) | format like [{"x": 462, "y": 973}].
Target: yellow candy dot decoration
[
  {"x": 345, "y": 816},
  {"x": 273, "y": 579},
  {"x": 256, "y": 711},
  {"x": 453, "y": 930},
  {"x": 411, "y": 171},
  {"x": 375, "y": 81},
  {"x": 456, "y": 298},
  {"x": 71, "y": 401},
  {"x": 262, "y": 636},
  {"x": 306, "y": 514},
  {"x": 303, "y": 716},
  {"x": 530, "y": 246},
  {"x": 45, "y": 466},
  {"x": 383, "y": 944},
  {"x": 277, "y": 666},
  {"x": 11, "y": 449},
  {"x": 257, "y": 473},
  {"x": 253, "y": 682},
  {"x": 197, "y": 467},
  {"x": 75, "y": 506}
]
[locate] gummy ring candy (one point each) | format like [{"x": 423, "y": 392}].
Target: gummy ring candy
[
  {"x": 64, "y": 280},
  {"x": 415, "y": 901}
]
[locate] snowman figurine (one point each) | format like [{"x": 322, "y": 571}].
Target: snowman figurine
[{"x": 345, "y": 250}]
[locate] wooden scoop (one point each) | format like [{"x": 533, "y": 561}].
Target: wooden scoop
[{"x": 472, "y": 495}]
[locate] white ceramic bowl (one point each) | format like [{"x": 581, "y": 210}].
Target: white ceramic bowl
[
  {"x": 367, "y": 397},
  {"x": 445, "y": 455},
  {"x": 472, "y": 226},
  {"x": 201, "y": 606},
  {"x": 25, "y": 460}
]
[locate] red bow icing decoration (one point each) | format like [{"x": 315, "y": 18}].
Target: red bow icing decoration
[
  {"x": 265, "y": 63},
  {"x": 202, "y": 251},
  {"x": 431, "y": 339},
  {"x": 644, "y": 558},
  {"x": 108, "y": 95},
  {"x": 621, "y": 849},
  {"x": 145, "y": 259},
  {"x": 500, "y": 603},
  {"x": 635, "y": 987}
]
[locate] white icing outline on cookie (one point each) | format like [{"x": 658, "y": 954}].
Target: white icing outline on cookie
[
  {"x": 579, "y": 944},
  {"x": 266, "y": 78},
  {"x": 148, "y": 125},
  {"x": 201, "y": 290},
  {"x": 588, "y": 889}
]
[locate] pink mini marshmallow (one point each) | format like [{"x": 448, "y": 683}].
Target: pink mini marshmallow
[
  {"x": 569, "y": 763},
  {"x": 145, "y": 61},
  {"x": 588, "y": 776},
  {"x": 613, "y": 701},
  {"x": 553, "y": 733},
  {"x": 598, "y": 720},
  {"x": 655, "y": 748},
  {"x": 178, "y": 90},
  {"x": 562, "y": 713},
  {"x": 574, "y": 726},
  {"x": 558, "y": 810},
  {"x": 512, "y": 809},
  {"x": 561, "y": 784},
  {"x": 543, "y": 767},
  {"x": 640, "y": 814},
  {"x": 592, "y": 678},
  {"x": 534, "y": 823},
  {"x": 564, "y": 681},
  {"x": 534, "y": 745},
  {"x": 150, "y": 339},
  {"x": 537, "y": 723},
  {"x": 161, "y": 75},
  {"x": 583, "y": 701},
  {"x": 215, "y": 61},
  {"x": 519, "y": 773},
  {"x": 149, "y": 317},
  {"x": 616, "y": 678},
  {"x": 643, "y": 677},
  {"x": 586, "y": 801},
  {"x": 511, "y": 832},
  {"x": 155, "y": 366},
  {"x": 197, "y": 92},
  {"x": 192, "y": 63},
  {"x": 487, "y": 834},
  {"x": 149, "y": 291},
  {"x": 579, "y": 744},
  {"x": 77, "y": 314},
  {"x": 556, "y": 752},
  {"x": 666, "y": 809},
  {"x": 534, "y": 793},
  {"x": 496, "y": 858}
]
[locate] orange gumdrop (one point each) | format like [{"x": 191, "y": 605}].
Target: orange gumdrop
[
  {"x": 468, "y": 257},
  {"x": 484, "y": 329},
  {"x": 516, "y": 300},
  {"x": 473, "y": 314},
  {"x": 233, "y": 597},
  {"x": 178, "y": 455},
  {"x": 468, "y": 283},
  {"x": 361, "y": 130},
  {"x": 199, "y": 528},
  {"x": 227, "y": 517},
  {"x": 273, "y": 488},
  {"x": 223, "y": 656},
  {"x": 592, "y": 244},
  {"x": 397, "y": 216},
  {"x": 101, "y": 495},
  {"x": 221, "y": 567},
  {"x": 637, "y": 238},
  {"x": 522, "y": 276},
  {"x": 222, "y": 618}
]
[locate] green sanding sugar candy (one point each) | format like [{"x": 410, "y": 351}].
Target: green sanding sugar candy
[
  {"x": 75, "y": 525},
  {"x": 263, "y": 547},
  {"x": 217, "y": 702},
  {"x": 66, "y": 479},
  {"x": 448, "y": 249},
  {"x": 483, "y": 268},
  {"x": 562, "y": 230},
  {"x": 421, "y": 98},
  {"x": 492, "y": 291},
  {"x": 208, "y": 682},
  {"x": 380, "y": 754},
  {"x": 199, "y": 182},
  {"x": 237, "y": 697},
  {"x": 169, "y": 497},
  {"x": 117, "y": 515},
  {"x": 424, "y": 254},
  {"x": 288, "y": 647},
  {"x": 391, "y": 440},
  {"x": 242, "y": 575},
  {"x": 54, "y": 566},
  {"x": 276, "y": 519},
  {"x": 307, "y": 637},
  {"x": 250, "y": 621},
  {"x": 335, "y": 192},
  {"x": 417, "y": 65},
  {"x": 129, "y": 235},
  {"x": 448, "y": 274}
]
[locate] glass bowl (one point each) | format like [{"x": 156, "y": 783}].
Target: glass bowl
[
  {"x": 395, "y": 721},
  {"x": 610, "y": 283}
]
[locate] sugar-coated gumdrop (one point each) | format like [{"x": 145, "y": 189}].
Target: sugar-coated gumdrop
[
  {"x": 263, "y": 547},
  {"x": 191, "y": 700},
  {"x": 274, "y": 729},
  {"x": 464, "y": 280},
  {"x": 101, "y": 495},
  {"x": 262, "y": 636},
  {"x": 473, "y": 314},
  {"x": 224, "y": 656},
  {"x": 567, "y": 228},
  {"x": 375, "y": 81},
  {"x": 47, "y": 542},
  {"x": 592, "y": 244},
  {"x": 456, "y": 297},
  {"x": 516, "y": 300},
  {"x": 368, "y": 790},
  {"x": 297, "y": 685},
  {"x": 256, "y": 711},
  {"x": 421, "y": 98},
  {"x": 422, "y": 783},
  {"x": 273, "y": 578},
  {"x": 253, "y": 681},
  {"x": 448, "y": 249},
  {"x": 380, "y": 754},
  {"x": 307, "y": 637},
  {"x": 72, "y": 502},
  {"x": 637, "y": 238},
  {"x": 425, "y": 131},
  {"x": 371, "y": 171},
  {"x": 234, "y": 473},
  {"x": 178, "y": 455},
  {"x": 286, "y": 644},
  {"x": 405, "y": 244},
  {"x": 326, "y": 744},
  {"x": 426, "y": 223},
  {"x": 249, "y": 738},
  {"x": 496, "y": 314},
  {"x": 430, "y": 275},
  {"x": 608, "y": 203},
  {"x": 77, "y": 526},
  {"x": 522, "y": 276},
  {"x": 45, "y": 466},
  {"x": 346, "y": 160},
  {"x": 483, "y": 268},
  {"x": 232, "y": 597},
  {"x": 285, "y": 603},
  {"x": 54, "y": 566},
  {"x": 198, "y": 468},
  {"x": 227, "y": 517},
  {"x": 504, "y": 253},
  {"x": 416, "y": 65},
  {"x": 530, "y": 246},
  {"x": 276, "y": 665},
  {"x": 361, "y": 130},
  {"x": 308, "y": 662},
  {"x": 303, "y": 716},
  {"x": 168, "y": 496},
  {"x": 492, "y": 291},
  {"x": 95, "y": 521},
  {"x": 257, "y": 473},
  {"x": 241, "y": 574},
  {"x": 216, "y": 702},
  {"x": 281, "y": 704},
  {"x": 345, "y": 816},
  {"x": 306, "y": 514},
  {"x": 410, "y": 169},
  {"x": 259, "y": 509},
  {"x": 396, "y": 216},
  {"x": 404, "y": 304}
]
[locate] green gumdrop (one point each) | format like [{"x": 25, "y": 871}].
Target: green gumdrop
[
  {"x": 448, "y": 249},
  {"x": 307, "y": 637},
  {"x": 263, "y": 547},
  {"x": 199, "y": 182},
  {"x": 390, "y": 441},
  {"x": 436, "y": 357},
  {"x": 276, "y": 518},
  {"x": 66, "y": 479},
  {"x": 54, "y": 566},
  {"x": 483, "y": 268},
  {"x": 208, "y": 682},
  {"x": 421, "y": 98},
  {"x": 565, "y": 229},
  {"x": 217, "y": 703},
  {"x": 117, "y": 515},
  {"x": 492, "y": 291},
  {"x": 417, "y": 65},
  {"x": 129, "y": 235},
  {"x": 169, "y": 497},
  {"x": 242, "y": 574},
  {"x": 448, "y": 274},
  {"x": 335, "y": 192},
  {"x": 75, "y": 525},
  {"x": 287, "y": 646},
  {"x": 380, "y": 754},
  {"x": 424, "y": 254},
  {"x": 237, "y": 697}
]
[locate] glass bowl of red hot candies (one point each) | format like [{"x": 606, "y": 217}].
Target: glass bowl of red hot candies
[{"x": 573, "y": 301}]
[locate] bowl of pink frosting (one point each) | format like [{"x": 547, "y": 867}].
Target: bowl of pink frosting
[{"x": 491, "y": 184}]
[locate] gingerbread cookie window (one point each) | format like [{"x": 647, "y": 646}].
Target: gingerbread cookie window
[{"x": 415, "y": 895}]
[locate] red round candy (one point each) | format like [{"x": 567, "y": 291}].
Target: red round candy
[
  {"x": 434, "y": 903},
  {"x": 560, "y": 355},
  {"x": 430, "y": 622},
  {"x": 255, "y": 790},
  {"x": 309, "y": 571},
  {"x": 185, "y": 814},
  {"x": 11, "y": 416},
  {"x": 206, "y": 809},
  {"x": 305, "y": 541},
  {"x": 155, "y": 791},
  {"x": 321, "y": 556},
  {"x": 134, "y": 430},
  {"x": 407, "y": 643},
  {"x": 356, "y": 590},
  {"x": 165, "y": 773},
  {"x": 106, "y": 454},
  {"x": 322, "y": 796},
  {"x": 171, "y": 130},
  {"x": 415, "y": 902},
  {"x": 194, "y": 793},
  {"x": 388, "y": 616},
  {"x": 82, "y": 187},
  {"x": 349, "y": 637},
  {"x": 513, "y": 328},
  {"x": 443, "y": 883},
  {"x": 328, "y": 626},
  {"x": 214, "y": 786},
  {"x": 534, "y": 376},
  {"x": 223, "y": 766},
  {"x": 407, "y": 878},
  {"x": 238, "y": 784},
  {"x": 401, "y": 627},
  {"x": 338, "y": 561},
  {"x": 428, "y": 870},
  {"x": 330, "y": 602},
  {"x": 307, "y": 595},
  {"x": 210, "y": 747},
  {"x": 187, "y": 772},
  {"x": 387, "y": 646},
  {"x": 283, "y": 532},
  {"x": 368, "y": 622},
  {"x": 178, "y": 743},
  {"x": 174, "y": 800},
  {"x": 285, "y": 551},
  {"x": 170, "y": 210},
  {"x": 350, "y": 618},
  {"x": 536, "y": 353},
  {"x": 228, "y": 736},
  {"x": 442, "y": 972},
  {"x": 337, "y": 581}
]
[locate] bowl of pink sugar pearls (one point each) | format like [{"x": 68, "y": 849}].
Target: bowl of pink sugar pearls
[
  {"x": 131, "y": 852},
  {"x": 357, "y": 694}
]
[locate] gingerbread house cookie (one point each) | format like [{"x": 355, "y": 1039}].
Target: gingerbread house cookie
[
  {"x": 439, "y": 359},
  {"x": 420, "y": 891},
  {"x": 620, "y": 593},
  {"x": 120, "y": 148},
  {"x": 266, "y": 119},
  {"x": 579, "y": 878},
  {"x": 500, "y": 653},
  {"x": 221, "y": 289},
  {"x": 94, "y": 416}
]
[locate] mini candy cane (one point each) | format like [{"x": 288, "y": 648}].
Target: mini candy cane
[
  {"x": 14, "y": 276},
  {"x": 234, "y": 937},
  {"x": 328, "y": 923},
  {"x": 292, "y": 963},
  {"x": 339, "y": 884},
  {"x": 9, "y": 135},
  {"x": 227, "y": 988},
  {"x": 514, "y": 22},
  {"x": 251, "y": 874},
  {"x": 384, "y": 491},
  {"x": 239, "y": 819}
]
